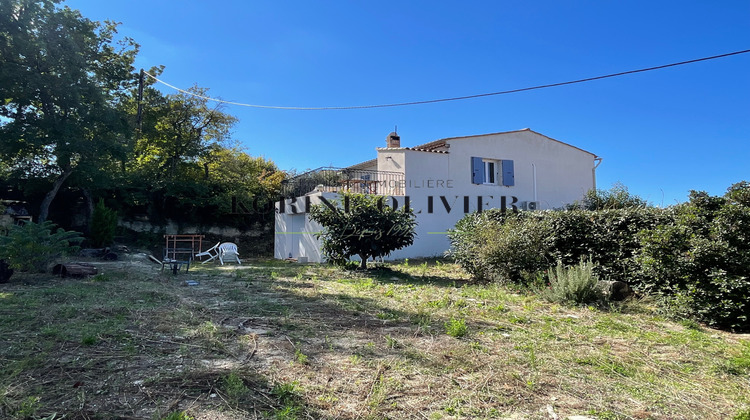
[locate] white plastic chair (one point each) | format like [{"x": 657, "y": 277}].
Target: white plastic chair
[
  {"x": 228, "y": 249},
  {"x": 212, "y": 253}
]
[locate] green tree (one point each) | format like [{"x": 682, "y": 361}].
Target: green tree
[
  {"x": 364, "y": 227},
  {"x": 178, "y": 131},
  {"x": 167, "y": 167},
  {"x": 230, "y": 172},
  {"x": 60, "y": 82},
  {"x": 103, "y": 225}
]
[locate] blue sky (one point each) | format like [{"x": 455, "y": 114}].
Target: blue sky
[{"x": 660, "y": 133}]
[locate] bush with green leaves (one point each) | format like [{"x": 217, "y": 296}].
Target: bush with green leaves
[
  {"x": 700, "y": 263},
  {"x": 617, "y": 197},
  {"x": 695, "y": 255},
  {"x": 608, "y": 237},
  {"x": 575, "y": 285},
  {"x": 33, "y": 246},
  {"x": 103, "y": 225},
  {"x": 499, "y": 245},
  {"x": 364, "y": 226},
  {"x": 502, "y": 246}
]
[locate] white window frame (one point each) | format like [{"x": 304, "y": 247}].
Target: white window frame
[{"x": 493, "y": 174}]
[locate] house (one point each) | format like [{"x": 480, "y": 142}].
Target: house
[{"x": 442, "y": 181}]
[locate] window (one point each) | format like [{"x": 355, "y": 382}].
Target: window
[
  {"x": 492, "y": 171},
  {"x": 489, "y": 171}
]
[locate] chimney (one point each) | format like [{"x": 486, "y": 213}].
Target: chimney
[{"x": 393, "y": 140}]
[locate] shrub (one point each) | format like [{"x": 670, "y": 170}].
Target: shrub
[
  {"x": 495, "y": 245},
  {"x": 572, "y": 285},
  {"x": 32, "y": 246},
  {"x": 617, "y": 197},
  {"x": 465, "y": 245},
  {"x": 515, "y": 247},
  {"x": 608, "y": 237},
  {"x": 695, "y": 255},
  {"x": 234, "y": 387},
  {"x": 103, "y": 225},
  {"x": 700, "y": 263},
  {"x": 366, "y": 228}
]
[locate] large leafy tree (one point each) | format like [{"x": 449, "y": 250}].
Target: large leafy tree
[
  {"x": 61, "y": 80},
  {"x": 169, "y": 165},
  {"x": 177, "y": 131},
  {"x": 235, "y": 173},
  {"x": 363, "y": 226}
]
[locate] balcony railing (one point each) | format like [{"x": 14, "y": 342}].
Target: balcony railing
[{"x": 330, "y": 179}]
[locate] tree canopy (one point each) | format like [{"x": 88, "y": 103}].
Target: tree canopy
[
  {"x": 363, "y": 227},
  {"x": 69, "y": 122},
  {"x": 60, "y": 83}
]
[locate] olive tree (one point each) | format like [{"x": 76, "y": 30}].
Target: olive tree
[{"x": 364, "y": 227}]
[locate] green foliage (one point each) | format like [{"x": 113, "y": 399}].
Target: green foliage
[
  {"x": 364, "y": 227},
  {"x": 289, "y": 396},
  {"x": 181, "y": 129},
  {"x": 32, "y": 246},
  {"x": 608, "y": 237},
  {"x": 68, "y": 104},
  {"x": 514, "y": 247},
  {"x": 739, "y": 364},
  {"x": 695, "y": 255},
  {"x": 234, "y": 387},
  {"x": 300, "y": 357},
  {"x": 509, "y": 246},
  {"x": 617, "y": 197},
  {"x": 572, "y": 285},
  {"x": 59, "y": 96},
  {"x": 286, "y": 392},
  {"x": 177, "y": 415},
  {"x": 456, "y": 328},
  {"x": 489, "y": 245},
  {"x": 103, "y": 225},
  {"x": 700, "y": 262}
]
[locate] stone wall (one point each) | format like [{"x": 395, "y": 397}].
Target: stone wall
[{"x": 252, "y": 242}]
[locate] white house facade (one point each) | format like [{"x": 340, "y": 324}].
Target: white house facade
[{"x": 442, "y": 181}]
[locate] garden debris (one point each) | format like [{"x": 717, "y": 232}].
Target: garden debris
[
  {"x": 615, "y": 290},
  {"x": 75, "y": 269}
]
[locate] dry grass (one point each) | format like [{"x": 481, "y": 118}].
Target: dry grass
[{"x": 280, "y": 340}]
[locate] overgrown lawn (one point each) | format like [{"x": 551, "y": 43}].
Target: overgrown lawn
[{"x": 280, "y": 340}]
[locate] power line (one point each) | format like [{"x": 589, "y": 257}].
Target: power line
[{"x": 456, "y": 98}]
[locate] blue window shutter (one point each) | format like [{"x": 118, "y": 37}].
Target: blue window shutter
[
  {"x": 508, "y": 177},
  {"x": 477, "y": 170}
]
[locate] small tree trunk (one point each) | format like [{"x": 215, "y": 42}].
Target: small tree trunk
[
  {"x": 44, "y": 208},
  {"x": 363, "y": 264}
]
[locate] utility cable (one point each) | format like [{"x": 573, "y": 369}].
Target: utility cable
[{"x": 457, "y": 98}]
